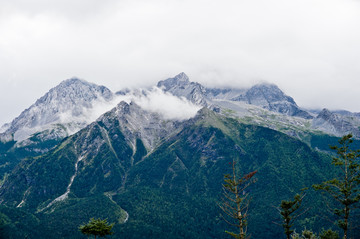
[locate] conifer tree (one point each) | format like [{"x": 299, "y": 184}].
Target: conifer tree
[
  {"x": 287, "y": 211},
  {"x": 329, "y": 234},
  {"x": 235, "y": 201},
  {"x": 344, "y": 189},
  {"x": 97, "y": 227}
]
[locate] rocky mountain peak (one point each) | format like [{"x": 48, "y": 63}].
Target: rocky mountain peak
[
  {"x": 325, "y": 114},
  {"x": 69, "y": 104},
  {"x": 75, "y": 89},
  {"x": 124, "y": 108},
  {"x": 73, "y": 80},
  {"x": 181, "y": 86},
  {"x": 263, "y": 94},
  {"x": 180, "y": 80},
  {"x": 182, "y": 77},
  {"x": 337, "y": 124},
  {"x": 137, "y": 123},
  {"x": 271, "y": 97}
]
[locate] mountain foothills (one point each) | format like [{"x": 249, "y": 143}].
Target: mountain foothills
[{"x": 76, "y": 154}]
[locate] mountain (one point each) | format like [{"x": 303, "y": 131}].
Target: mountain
[
  {"x": 122, "y": 136},
  {"x": 265, "y": 105},
  {"x": 75, "y": 103},
  {"x": 267, "y": 96},
  {"x": 159, "y": 174},
  {"x": 337, "y": 124},
  {"x": 150, "y": 174},
  {"x": 181, "y": 86},
  {"x": 60, "y": 112}
]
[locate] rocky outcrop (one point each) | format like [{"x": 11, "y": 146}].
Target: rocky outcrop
[
  {"x": 136, "y": 123},
  {"x": 337, "y": 124},
  {"x": 181, "y": 86},
  {"x": 62, "y": 111},
  {"x": 267, "y": 96}
]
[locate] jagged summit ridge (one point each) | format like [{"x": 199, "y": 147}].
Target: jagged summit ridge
[
  {"x": 73, "y": 91},
  {"x": 69, "y": 107},
  {"x": 269, "y": 96},
  {"x": 67, "y": 103},
  {"x": 181, "y": 80},
  {"x": 181, "y": 86},
  {"x": 337, "y": 124},
  {"x": 137, "y": 123},
  {"x": 265, "y": 95}
]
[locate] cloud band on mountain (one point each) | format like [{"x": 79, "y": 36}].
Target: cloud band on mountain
[{"x": 166, "y": 104}]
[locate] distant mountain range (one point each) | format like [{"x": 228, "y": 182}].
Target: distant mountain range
[
  {"x": 75, "y": 103},
  {"x": 267, "y": 96},
  {"x": 79, "y": 152}
]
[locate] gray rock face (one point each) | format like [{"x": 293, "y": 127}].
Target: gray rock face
[
  {"x": 264, "y": 94},
  {"x": 181, "y": 86},
  {"x": 69, "y": 107},
  {"x": 63, "y": 110},
  {"x": 224, "y": 94},
  {"x": 337, "y": 124},
  {"x": 136, "y": 123},
  {"x": 267, "y": 96},
  {"x": 347, "y": 113}
]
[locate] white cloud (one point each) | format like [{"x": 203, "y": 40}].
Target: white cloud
[
  {"x": 302, "y": 45},
  {"x": 166, "y": 104}
]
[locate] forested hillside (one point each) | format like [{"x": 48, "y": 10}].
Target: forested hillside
[{"x": 174, "y": 188}]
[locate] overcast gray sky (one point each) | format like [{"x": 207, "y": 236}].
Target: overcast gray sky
[{"x": 309, "y": 48}]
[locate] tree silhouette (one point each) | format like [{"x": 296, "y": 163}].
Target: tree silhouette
[
  {"x": 97, "y": 227},
  {"x": 235, "y": 202},
  {"x": 287, "y": 211},
  {"x": 345, "y": 188}
]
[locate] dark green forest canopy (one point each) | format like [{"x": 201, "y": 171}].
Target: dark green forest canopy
[{"x": 173, "y": 189}]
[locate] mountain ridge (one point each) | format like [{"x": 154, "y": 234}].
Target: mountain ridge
[
  {"x": 188, "y": 164},
  {"x": 243, "y": 102},
  {"x": 80, "y": 103},
  {"x": 60, "y": 112},
  {"x": 55, "y": 119}
]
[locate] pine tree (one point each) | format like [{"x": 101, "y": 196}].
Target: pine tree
[
  {"x": 287, "y": 211},
  {"x": 329, "y": 234},
  {"x": 235, "y": 202},
  {"x": 345, "y": 188},
  {"x": 97, "y": 227}
]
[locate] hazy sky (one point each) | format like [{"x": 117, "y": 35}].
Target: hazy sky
[{"x": 309, "y": 48}]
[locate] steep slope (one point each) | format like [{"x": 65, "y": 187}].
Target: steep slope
[
  {"x": 100, "y": 156},
  {"x": 60, "y": 112},
  {"x": 337, "y": 124},
  {"x": 150, "y": 175},
  {"x": 135, "y": 123},
  {"x": 265, "y": 105},
  {"x": 266, "y": 96},
  {"x": 171, "y": 183},
  {"x": 190, "y": 167},
  {"x": 181, "y": 86},
  {"x": 269, "y": 96}
]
